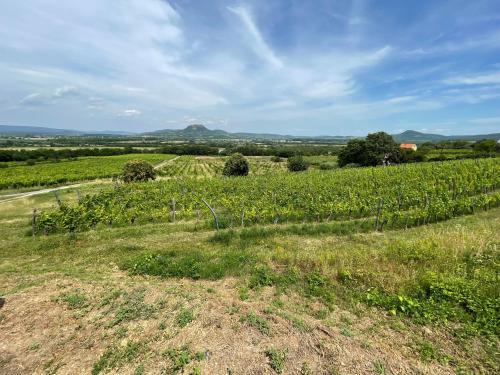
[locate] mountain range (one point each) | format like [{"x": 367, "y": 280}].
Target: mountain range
[{"x": 199, "y": 132}]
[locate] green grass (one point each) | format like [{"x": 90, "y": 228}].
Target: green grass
[
  {"x": 76, "y": 300},
  {"x": 181, "y": 357},
  {"x": 115, "y": 357},
  {"x": 444, "y": 275},
  {"x": 133, "y": 308},
  {"x": 184, "y": 317},
  {"x": 276, "y": 359},
  {"x": 257, "y": 322}
]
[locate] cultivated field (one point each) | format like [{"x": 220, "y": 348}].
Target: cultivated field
[
  {"x": 350, "y": 271},
  {"x": 18, "y": 175}
]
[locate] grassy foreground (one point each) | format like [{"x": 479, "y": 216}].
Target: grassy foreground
[{"x": 292, "y": 299}]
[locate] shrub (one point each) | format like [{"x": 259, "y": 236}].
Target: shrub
[
  {"x": 327, "y": 166},
  {"x": 297, "y": 164},
  {"x": 138, "y": 170},
  {"x": 276, "y": 159},
  {"x": 236, "y": 165}
]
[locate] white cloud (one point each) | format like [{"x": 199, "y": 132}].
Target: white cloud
[
  {"x": 259, "y": 45},
  {"x": 481, "y": 79},
  {"x": 34, "y": 99},
  {"x": 65, "y": 91},
  {"x": 129, "y": 113}
]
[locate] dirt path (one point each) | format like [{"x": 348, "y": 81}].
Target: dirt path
[
  {"x": 166, "y": 162},
  {"x": 14, "y": 196},
  {"x": 11, "y": 197}
]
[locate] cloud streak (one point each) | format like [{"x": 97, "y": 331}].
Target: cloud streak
[{"x": 260, "y": 47}]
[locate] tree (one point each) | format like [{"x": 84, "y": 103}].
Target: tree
[
  {"x": 297, "y": 164},
  {"x": 353, "y": 153},
  {"x": 236, "y": 165},
  {"x": 486, "y": 145},
  {"x": 374, "y": 150},
  {"x": 138, "y": 170}
]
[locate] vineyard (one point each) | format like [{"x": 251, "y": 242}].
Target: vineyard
[
  {"x": 53, "y": 173},
  {"x": 205, "y": 166},
  {"x": 395, "y": 197}
]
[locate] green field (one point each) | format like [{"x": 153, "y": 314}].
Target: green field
[
  {"x": 406, "y": 195},
  {"x": 350, "y": 271},
  {"x": 18, "y": 175}
]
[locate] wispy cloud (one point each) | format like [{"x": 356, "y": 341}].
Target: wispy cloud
[
  {"x": 479, "y": 79},
  {"x": 33, "y": 99},
  {"x": 259, "y": 45}
]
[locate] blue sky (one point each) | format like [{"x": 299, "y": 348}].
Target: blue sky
[{"x": 283, "y": 66}]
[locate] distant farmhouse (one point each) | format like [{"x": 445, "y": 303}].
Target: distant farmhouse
[{"x": 412, "y": 146}]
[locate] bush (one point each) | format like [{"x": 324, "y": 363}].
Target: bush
[
  {"x": 297, "y": 164},
  {"x": 276, "y": 159},
  {"x": 138, "y": 170},
  {"x": 236, "y": 165},
  {"x": 327, "y": 166}
]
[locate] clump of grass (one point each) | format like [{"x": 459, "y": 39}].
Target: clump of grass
[
  {"x": 139, "y": 370},
  {"x": 75, "y": 300},
  {"x": 109, "y": 297},
  {"x": 184, "y": 317},
  {"x": 132, "y": 308},
  {"x": 181, "y": 357},
  {"x": 258, "y": 323},
  {"x": 243, "y": 294},
  {"x": 379, "y": 367},
  {"x": 115, "y": 357},
  {"x": 429, "y": 353},
  {"x": 276, "y": 359}
]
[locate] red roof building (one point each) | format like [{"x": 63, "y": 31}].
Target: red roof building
[{"x": 412, "y": 146}]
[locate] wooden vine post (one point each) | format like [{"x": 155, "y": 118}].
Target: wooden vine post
[
  {"x": 173, "y": 210},
  {"x": 58, "y": 200},
  {"x": 33, "y": 222},
  {"x": 379, "y": 210},
  {"x": 216, "y": 221}
]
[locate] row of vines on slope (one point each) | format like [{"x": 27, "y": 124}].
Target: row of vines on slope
[
  {"x": 397, "y": 196},
  {"x": 189, "y": 166},
  {"x": 86, "y": 168}
]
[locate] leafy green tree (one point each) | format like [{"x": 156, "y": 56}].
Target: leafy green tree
[
  {"x": 297, "y": 164},
  {"x": 138, "y": 170},
  {"x": 353, "y": 153},
  {"x": 486, "y": 145},
  {"x": 236, "y": 165},
  {"x": 374, "y": 150}
]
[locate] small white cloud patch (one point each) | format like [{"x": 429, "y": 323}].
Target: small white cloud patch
[{"x": 129, "y": 113}]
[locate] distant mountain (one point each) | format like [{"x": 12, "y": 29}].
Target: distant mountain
[
  {"x": 34, "y": 130},
  {"x": 413, "y": 136},
  {"x": 14, "y": 130},
  {"x": 200, "y": 132},
  {"x": 197, "y": 131}
]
